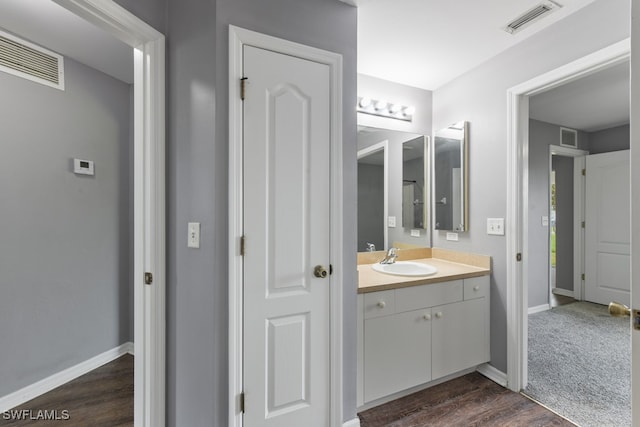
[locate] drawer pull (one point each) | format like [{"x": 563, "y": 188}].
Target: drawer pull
[
  {"x": 476, "y": 288},
  {"x": 427, "y": 317},
  {"x": 439, "y": 315},
  {"x": 381, "y": 304}
]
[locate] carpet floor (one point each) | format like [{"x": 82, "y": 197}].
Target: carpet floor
[{"x": 580, "y": 365}]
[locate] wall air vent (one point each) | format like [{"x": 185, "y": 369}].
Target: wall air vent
[
  {"x": 568, "y": 137},
  {"x": 530, "y": 16},
  {"x": 24, "y": 59}
]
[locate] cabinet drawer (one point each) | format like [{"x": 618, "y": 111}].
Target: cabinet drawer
[
  {"x": 378, "y": 304},
  {"x": 476, "y": 287},
  {"x": 416, "y": 297}
]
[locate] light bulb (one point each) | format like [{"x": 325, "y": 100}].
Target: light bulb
[
  {"x": 380, "y": 105},
  {"x": 395, "y": 108},
  {"x": 409, "y": 111},
  {"x": 364, "y": 102}
]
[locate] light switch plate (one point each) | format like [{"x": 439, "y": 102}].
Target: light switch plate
[
  {"x": 391, "y": 221},
  {"x": 452, "y": 236},
  {"x": 415, "y": 233},
  {"x": 194, "y": 235},
  {"x": 545, "y": 221},
  {"x": 495, "y": 226}
]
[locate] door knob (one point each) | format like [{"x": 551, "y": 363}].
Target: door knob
[
  {"x": 320, "y": 272},
  {"x": 619, "y": 310}
]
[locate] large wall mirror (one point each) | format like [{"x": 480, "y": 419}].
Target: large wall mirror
[
  {"x": 451, "y": 147},
  {"x": 393, "y": 173}
]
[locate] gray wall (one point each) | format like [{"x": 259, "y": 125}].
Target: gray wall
[
  {"x": 370, "y": 206},
  {"x": 479, "y": 96},
  {"x": 563, "y": 166},
  {"x": 65, "y": 269},
  {"x": 198, "y": 179},
  {"x": 612, "y": 139},
  {"x": 541, "y": 136}
]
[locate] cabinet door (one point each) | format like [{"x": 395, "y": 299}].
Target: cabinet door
[
  {"x": 459, "y": 339},
  {"x": 397, "y": 353}
]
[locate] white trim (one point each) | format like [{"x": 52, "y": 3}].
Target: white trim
[
  {"x": 237, "y": 38},
  {"x": 517, "y": 193},
  {"x": 494, "y": 374},
  {"x": 578, "y": 211},
  {"x": 384, "y": 145},
  {"x": 45, "y": 385},
  {"x": 352, "y": 423},
  {"x": 563, "y": 292},
  {"x": 149, "y": 199},
  {"x": 538, "y": 308}
]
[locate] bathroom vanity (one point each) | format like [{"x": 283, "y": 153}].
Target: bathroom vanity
[{"x": 413, "y": 330}]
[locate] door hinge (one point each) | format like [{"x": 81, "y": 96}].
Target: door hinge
[
  {"x": 148, "y": 278},
  {"x": 518, "y": 257},
  {"x": 582, "y": 276},
  {"x": 242, "y": 245},
  {"x": 243, "y": 87},
  {"x": 241, "y": 402},
  {"x": 583, "y": 224},
  {"x": 584, "y": 172},
  {"x": 330, "y": 269}
]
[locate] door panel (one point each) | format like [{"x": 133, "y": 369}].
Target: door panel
[
  {"x": 286, "y": 227},
  {"x": 607, "y": 229}
]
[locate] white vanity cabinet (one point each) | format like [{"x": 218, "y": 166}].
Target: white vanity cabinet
[{"x": 413, "y": 335}]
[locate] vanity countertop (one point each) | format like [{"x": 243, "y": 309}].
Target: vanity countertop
[{"x": 451, "y": 265}]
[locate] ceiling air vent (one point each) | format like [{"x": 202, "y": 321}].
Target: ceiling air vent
[
  {"x": 530, "y": 16},
  {"x": 24, "y": 59},
  {"x": 568, "y": 137}
]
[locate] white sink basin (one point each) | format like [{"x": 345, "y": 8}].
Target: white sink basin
[{"x": 405, "y": 268}]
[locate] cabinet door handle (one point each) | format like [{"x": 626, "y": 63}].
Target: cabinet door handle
[
  {"x": 439, "y": 314},
  {"x": 381, "y": 304},
  {"x": 427, "y": 317},
  {"x": 476, "y": 288}
]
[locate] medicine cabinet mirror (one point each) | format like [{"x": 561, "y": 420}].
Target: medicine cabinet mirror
[
  {"x": 451, "y": 147},
  {"x": 393, "y": 183}
]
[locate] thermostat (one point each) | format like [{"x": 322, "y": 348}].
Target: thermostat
[{"x": 83, "y": 167}]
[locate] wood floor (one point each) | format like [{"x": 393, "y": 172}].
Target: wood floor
[
  {"x": 471, "y": 400},
  {"x": 103, "y": 397}
]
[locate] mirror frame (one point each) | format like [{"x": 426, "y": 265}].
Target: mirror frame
[
  {"x": 426, "y": 187},
  {"x": 464, "y": 197}
]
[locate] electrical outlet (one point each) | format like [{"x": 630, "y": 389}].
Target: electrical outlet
[
  {"x": 495, "y": 226},
  {"x": 415, "y": 233},
  {"x": 452, "y": 236},
  {"x": 545, "y": 221},
  {"x": 193, "y": 239},
  {"x": 391, "y": 221}
]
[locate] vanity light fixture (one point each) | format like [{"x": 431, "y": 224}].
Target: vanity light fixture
[{"x": 385, "y": 109}]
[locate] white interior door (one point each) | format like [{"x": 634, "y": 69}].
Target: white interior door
[
  {"x": 607, "y": 229},
  {"x": 286, "y": 227}
]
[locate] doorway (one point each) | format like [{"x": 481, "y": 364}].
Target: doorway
[
  {"x": 520, "y": 204},
  {"x": 302, "y": 313},
  {"x": 148, "y": 252}
]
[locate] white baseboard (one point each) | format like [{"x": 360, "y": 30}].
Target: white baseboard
[
  {"x": 539, "y": 308},
  {"x": 353, "y": 423},
  {"x": 493, "y": 374},
  {"x": 56, "y": 380},
  {"x": 563, "y": 292}
]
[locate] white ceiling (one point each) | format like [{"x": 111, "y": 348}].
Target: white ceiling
[
  {"x": 426, "y": 43},
  {"x": 46, "y": 23},
  {"x": 598, "y": 101}
]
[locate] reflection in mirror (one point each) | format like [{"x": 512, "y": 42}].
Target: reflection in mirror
[
  {"x": 451, "y": 146},
  {"x": 381, "y": 220},
  {"x": 414, "y": 185},
  {"x": 372, "y": 197}
]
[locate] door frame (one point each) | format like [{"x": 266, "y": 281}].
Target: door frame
[
  {"x": 518, "y": 194},
  {"x": 383, "y": 145},
  {"x": 238, "y": 37},
  {"x": 578, "y": 216},
  {"x": 149, "y": 199}
]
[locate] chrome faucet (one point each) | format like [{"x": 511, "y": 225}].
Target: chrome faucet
[
  {"x": 371, "y": 247},
  {"x": 392, "y": 254}
]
